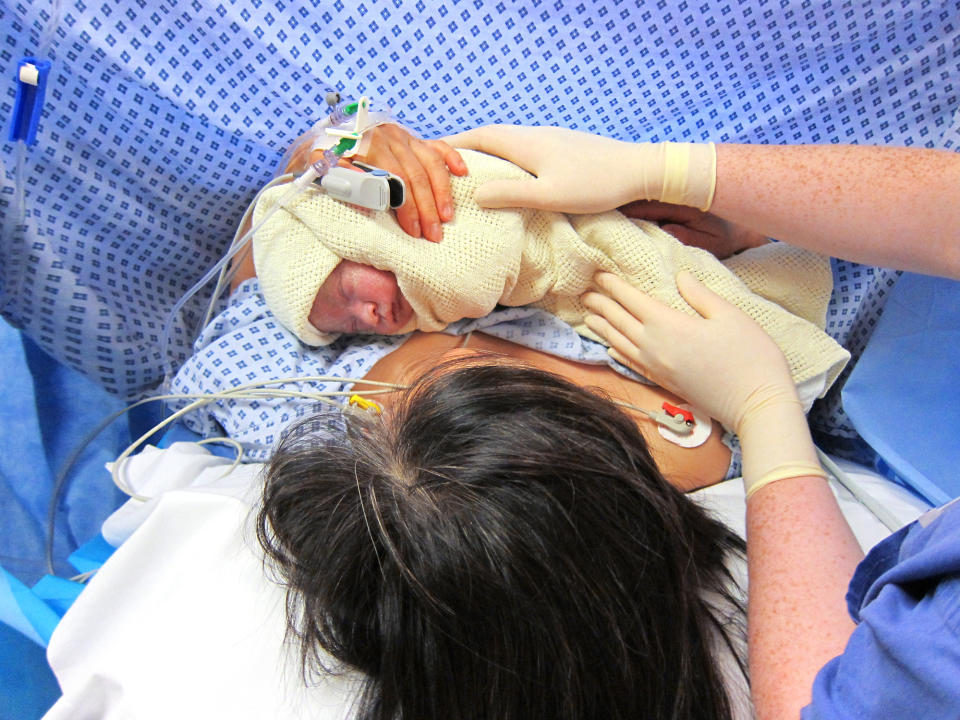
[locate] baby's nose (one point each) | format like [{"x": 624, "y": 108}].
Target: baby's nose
[{"x": 368, "y": 314}]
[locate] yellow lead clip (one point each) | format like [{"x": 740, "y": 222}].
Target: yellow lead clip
[{"x": 364, "y": 404}]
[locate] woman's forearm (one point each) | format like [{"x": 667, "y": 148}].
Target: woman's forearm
[{"x": 892, "y": 207}]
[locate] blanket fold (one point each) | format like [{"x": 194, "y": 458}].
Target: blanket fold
[{"x": 524, "y": 256}]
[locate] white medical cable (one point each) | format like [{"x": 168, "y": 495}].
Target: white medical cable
[
  {"x": 861, "y": 495},
  {"x": 296, "y": 187},
  {"x": 229, "y": 441},
  {"x": 63, "y": 474},
  {"x": 254, "y": 390},
  {"x": 83, "y": 577},
  {"x": 240, "y": 242},
  {"x": 318, "y": 168},
  {"x": 660, "y": 417},
  {"x": 243, "y": 242}
]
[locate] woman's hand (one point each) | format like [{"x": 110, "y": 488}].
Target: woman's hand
[
  {"x": 425, "y": 166},
  {"x": 694, "y": 227},
  {"x": 722, "y": 361}
]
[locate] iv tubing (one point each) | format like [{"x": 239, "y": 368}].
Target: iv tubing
[
  {"x": 53, "y": 23},
  {"x": 861, "y": 495},
  {"x": 296, "y": 187}
]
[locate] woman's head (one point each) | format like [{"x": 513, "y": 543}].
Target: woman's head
[{"x": 501, "y": 545}]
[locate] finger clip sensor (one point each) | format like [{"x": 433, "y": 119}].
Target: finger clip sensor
[{"x": 372, "y": 188}]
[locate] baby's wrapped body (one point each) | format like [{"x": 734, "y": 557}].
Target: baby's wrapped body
[{"x": 521, "y": 256}]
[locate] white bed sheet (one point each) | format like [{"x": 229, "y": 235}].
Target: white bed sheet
[{"x": 181, "y": 623}]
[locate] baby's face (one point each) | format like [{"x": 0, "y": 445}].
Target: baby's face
[{"x": 359, "y": 298}]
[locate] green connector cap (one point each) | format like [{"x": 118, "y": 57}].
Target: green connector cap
[{"x": 344, "y": 145}]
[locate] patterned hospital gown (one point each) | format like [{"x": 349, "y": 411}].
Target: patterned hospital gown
[
  {"x": 245, "y": 344},
  {"x": 161, "y": 120}
]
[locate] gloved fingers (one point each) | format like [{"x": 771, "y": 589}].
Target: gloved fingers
[
  {"x": 615, "y": 318},
  {"x": 512, "y": 193},
  {"x": 622, "y": 349},
  {"x": 639, "y": 306},
  {"x": 465, "y": 139},
  {"x": 623, "y": 360},
  {"x": 511, "y": 142},
  {"x": 702, "y": 299}
]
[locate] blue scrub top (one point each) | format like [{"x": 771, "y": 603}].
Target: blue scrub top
[{"x": 903, "y": 658}]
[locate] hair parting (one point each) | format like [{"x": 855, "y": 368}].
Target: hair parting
[{"x": 500, "y": 544}]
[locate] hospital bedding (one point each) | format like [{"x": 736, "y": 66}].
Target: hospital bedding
[
  {"x": 162, "y": 118},
  {"x": 245, "y": 344},
  {"x": 182, "y": 622}
]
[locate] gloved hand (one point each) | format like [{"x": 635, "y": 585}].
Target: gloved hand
[
  {"x": 722, "y": 362},
  {"x": 577, "y": 172}
]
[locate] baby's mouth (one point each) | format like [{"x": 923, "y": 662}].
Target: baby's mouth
[{"x": 402, "y": 311}]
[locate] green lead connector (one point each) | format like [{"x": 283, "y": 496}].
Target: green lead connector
[{"x": 344, "y": 145}]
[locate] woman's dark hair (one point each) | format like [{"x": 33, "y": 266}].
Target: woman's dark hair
[{"x": 501, "y": 545}]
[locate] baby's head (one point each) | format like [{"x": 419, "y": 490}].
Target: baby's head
[
  {"x": 316, "y": 294},
  {"x": 357, "y": 298}
]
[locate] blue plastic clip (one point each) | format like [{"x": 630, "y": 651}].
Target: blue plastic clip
[{"x": 31, "y": 80}]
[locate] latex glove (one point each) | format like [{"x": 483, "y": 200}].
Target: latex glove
[
  {"x": 577, "y": 172},
  {"x": 694, "y": 227},
  {"x": 720, "y": 361},
  {"x": 424, "y": 165}
]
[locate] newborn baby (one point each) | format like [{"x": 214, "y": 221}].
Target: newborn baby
[
  {"x": 327, "y": 268},
  {"x": 359, "y": 298}
]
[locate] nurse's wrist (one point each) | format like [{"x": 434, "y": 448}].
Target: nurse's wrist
[
  {"x": 676, "y": 173},
  {"x": 777, "y": 446}
]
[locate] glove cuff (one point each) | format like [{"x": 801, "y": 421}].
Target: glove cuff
[
  {"x": 776, "y": 445},
  {"x": 689, "y": 174}
]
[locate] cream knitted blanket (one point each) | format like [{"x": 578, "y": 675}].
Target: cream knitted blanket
[{"x": 523, "y": 256}]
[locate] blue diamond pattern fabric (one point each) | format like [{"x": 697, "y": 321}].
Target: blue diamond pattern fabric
[{"x": 163, "y": 118}]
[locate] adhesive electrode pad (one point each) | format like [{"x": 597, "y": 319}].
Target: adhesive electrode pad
[{"x": 702, "y": 428}]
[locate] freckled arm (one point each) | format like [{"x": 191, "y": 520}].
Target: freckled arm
[{"x": 892, "y": 207}]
